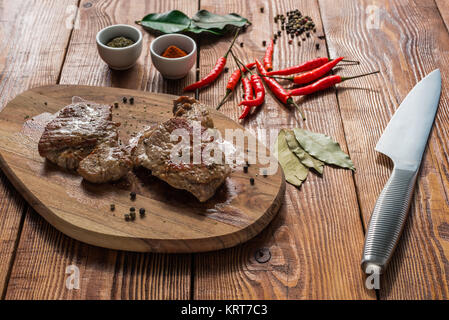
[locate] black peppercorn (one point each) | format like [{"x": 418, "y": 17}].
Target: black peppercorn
[
  {"x": 317, "y": 46},
  {"x": 245, "y": 169},
  {"x": 132, "y": 209},
  {"x": 251, "y": 181},
  {"x": 127, "y": 217},
  {"x": 131, "y": 100},
  {"x": 226, "y": 69},
  {"x": 124, "y": 99},
  {"x": 264, "y": 43},
  {"x": 261, "y": 9},
  {"x": 112, "y": 207},
  {"x": 241, "y": 44},
  {"x": 132, "y": 195},
  {"x": 132, "y": 215},
  {"x": 116, "y": 104},
  {"x": 142, "y": 211}
]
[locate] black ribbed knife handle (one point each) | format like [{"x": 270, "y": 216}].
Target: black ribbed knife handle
[{"x": 388, "y": 219}]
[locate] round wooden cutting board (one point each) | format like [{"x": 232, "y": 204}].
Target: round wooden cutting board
[{"x": 175, "y": 221}]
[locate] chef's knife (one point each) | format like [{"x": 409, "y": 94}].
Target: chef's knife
[{"x": 403, "y": 141}]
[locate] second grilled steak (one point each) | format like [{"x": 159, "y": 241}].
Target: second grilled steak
[{"x": 154, "y": 151}]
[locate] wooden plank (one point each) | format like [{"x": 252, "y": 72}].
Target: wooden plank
[
  {"x": 316, "y": 239},
  {"x": 33, "y": 40},
  {"x": 410, "y": 42},
  {"x": 44, "y": 253},
  {"x": 443, "y": 7}
]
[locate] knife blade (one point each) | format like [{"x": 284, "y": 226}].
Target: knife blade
[{"x": 403, "y": 141}]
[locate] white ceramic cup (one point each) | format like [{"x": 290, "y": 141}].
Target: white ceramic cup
[
  {"x": 173, "y": 68},
  {"x": 119, "y": 58}
]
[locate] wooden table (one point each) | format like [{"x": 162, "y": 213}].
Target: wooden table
[{"x": 316, "y": 240}]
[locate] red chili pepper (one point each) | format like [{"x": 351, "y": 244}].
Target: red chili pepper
[
  {"x": 259, "y": 90},
  {"x": 233, "y": 80},
  {"x": 323, "y": 83},
  {"x": 268, "y": 59},
  {"x": 306, "y": 66},
  {"x": 248, "y": 95},
  {"x": 316, "y": 73},
  {"x": 247, "y": 89},
  {"x": 277, "y": 89},
  {"x": 215, "y": 72},
  {"x": 235, "y": 76}
]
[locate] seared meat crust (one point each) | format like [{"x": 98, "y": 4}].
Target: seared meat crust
[
  {"x": 154, "y": 152},
  {"x": 85, "y": 135}
]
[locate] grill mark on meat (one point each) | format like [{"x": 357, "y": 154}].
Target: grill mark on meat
[{"x": 83, "y": 137}]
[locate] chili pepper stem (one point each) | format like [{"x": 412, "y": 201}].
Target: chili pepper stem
[
  {"x": 240, "y": 63},
  {"x": 232, "y": 43},
  {"x": 299, "y": 109},
  {"x": 359, "y": 76},
  {"x": 228, "y": 92},
  {"x": 353, "y": 61}
]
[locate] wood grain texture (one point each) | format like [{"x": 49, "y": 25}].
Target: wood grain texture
[
  {"x": 35, "y": 59},
  {"x": 410, "y": 42},
  {"x": 122, "y": 275},
  {"x": 176, "y": 222},
  {"x": 316, "y": 240},
  {"x": 443, "y": 7}
]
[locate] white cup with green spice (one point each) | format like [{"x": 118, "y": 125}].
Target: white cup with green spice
[{"x": 119, "y": 45}]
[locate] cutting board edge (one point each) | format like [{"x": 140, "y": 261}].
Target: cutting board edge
[{"x": 128, "y": 243}]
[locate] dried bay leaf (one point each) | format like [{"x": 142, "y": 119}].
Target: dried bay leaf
[
  {"x": 208, "y": 20},
  {"x": 295, "y": 172},
  {"x": 202, "y": 22},
  {"x": 323, "y": 148},
  {"x": 305, "y": 158}
]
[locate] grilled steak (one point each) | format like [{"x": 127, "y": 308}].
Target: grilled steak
[
  {"x": 84, "y": 136},
  {"x": 155, "y": 148},
  {"x": 109, "y": 161},
  {"x": 191, "y": 109}
]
